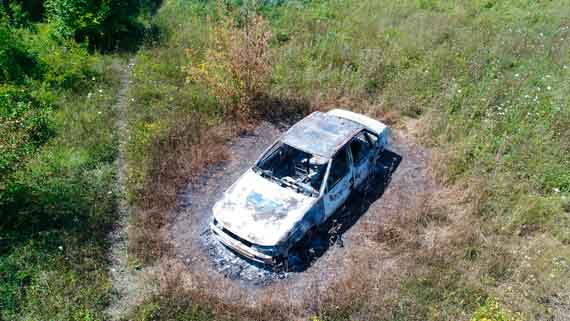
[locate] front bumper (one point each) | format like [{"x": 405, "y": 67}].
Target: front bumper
[{"x": 240, "y": 247}]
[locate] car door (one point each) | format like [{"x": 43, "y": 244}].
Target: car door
[
  {"x": 339, "y": 182},
  {"x": 362, "y": 148}
]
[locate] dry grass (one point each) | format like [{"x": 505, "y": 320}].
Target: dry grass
[
  {"x": 466, "y": 239},
  {"x": 235, "y": 69},
  {"x": 178, "y": 159}
]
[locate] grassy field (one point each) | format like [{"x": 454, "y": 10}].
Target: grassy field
[
  {"x": 57, "y": 194},
  {"x": 484, "y": 84},
  {"x": 488, "y": 83}
]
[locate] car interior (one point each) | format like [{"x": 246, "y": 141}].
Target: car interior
[{"x": 294, "y": 166}]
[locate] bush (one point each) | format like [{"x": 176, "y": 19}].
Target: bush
[
  {"x": 67, "y": 63},
  {"x": 25, "y": 125},
  {"x": 236, "y": 68},
  {"x": 492, "y": 311},
  {"x": 50, "y": 268},
  {"x": 22, "y": 13},
  {"x": 103, "y": 24},
  {"x": 16, "y": 62}
]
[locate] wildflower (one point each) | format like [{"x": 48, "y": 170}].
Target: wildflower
[
  {"x": 60, "y": 248},
  {"x": 556, "y": 190},
  {"x": 93, "y": 78},
  {"x": 548, "y": 88},
  {"x": 89, "y": 95},
  {"x": 99, "y": 113},
  {"x": 517, "y": 75},
  {"x": 100, "y": 91}
]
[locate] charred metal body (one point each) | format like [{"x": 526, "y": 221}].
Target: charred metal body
[{"x": 297, "y": 183}]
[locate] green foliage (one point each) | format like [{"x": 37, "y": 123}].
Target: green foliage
[
  {"x": 492, "y": 311},
  {"x": 33, "y": 9},
  {"x": 22, "y": 13},
  {"x": 490, "y": 81},
  {"x": 25, "y": 126},
  {"x": 173, "y": 308},
  {"x": 16, "y": 62},
  {"x": 64, "y": 189},
  {"x": 436, "y": 297},
  {"x": 68, "y": 65},
  {"x": 56, "y": 180},
  {"x": 103, "y": 24},
  {"x": 57, "y": 148},
  {"x": 53, "y": 277},
  {"x": 493, "y": 75}
]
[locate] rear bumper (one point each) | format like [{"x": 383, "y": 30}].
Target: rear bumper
[{"x": 239, "y": 247}]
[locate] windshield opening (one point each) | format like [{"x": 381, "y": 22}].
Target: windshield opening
[{"x": 293, "y": 168}]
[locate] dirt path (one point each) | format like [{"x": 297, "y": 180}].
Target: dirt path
[
  {"x": 127, "y": 283},
  {"x": 345, "y": 247}
]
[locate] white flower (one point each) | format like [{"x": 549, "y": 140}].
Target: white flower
[
  {"x": 517, "y": 75},
  {"x": 99, "y": 113},
  {"x": 556, "y": 190},
  {"x": 60, "y": 248},
  {"x": 548, "y": 88},
  {"x": 89, "y": 95},
  {"x": 93, "y": 78},
  {"x": 100, "y": 91}
]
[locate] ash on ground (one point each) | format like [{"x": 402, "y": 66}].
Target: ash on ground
[{"x": 341, "y": 245}]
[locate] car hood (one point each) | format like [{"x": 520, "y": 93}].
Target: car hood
[{"x": 260, "y": 210}]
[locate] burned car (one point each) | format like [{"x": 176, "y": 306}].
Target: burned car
[{"x": 297, "y": 183}]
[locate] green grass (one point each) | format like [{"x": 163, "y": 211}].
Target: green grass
[
  {"x": 490, "y": 81},
  {"x": 58, "y": 201}
]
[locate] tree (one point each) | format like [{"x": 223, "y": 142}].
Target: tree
[{"x": 104, "y": 24}]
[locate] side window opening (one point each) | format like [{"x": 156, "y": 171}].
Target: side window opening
[
  {"x": 339, "y": 168},
  {"x": 361, "y": 146}
]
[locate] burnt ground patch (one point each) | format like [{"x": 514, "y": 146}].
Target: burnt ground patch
[
  {"x": 330, "y": 233},
  {"x": 347, "y": 241}
]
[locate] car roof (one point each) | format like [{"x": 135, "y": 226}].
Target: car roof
[{"x": 321, "y": 133}]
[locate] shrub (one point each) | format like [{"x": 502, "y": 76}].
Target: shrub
[
  {"x": 67, "y": 63},
  {"x": 492, "y": 311},
  {"x": 22, "y": 12},
  {"x": 236, "y": 68},
  {"x": 25, "y": 124},
  {"x": 16, "y": 62},
  {"x": 103, "y": 24}
]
